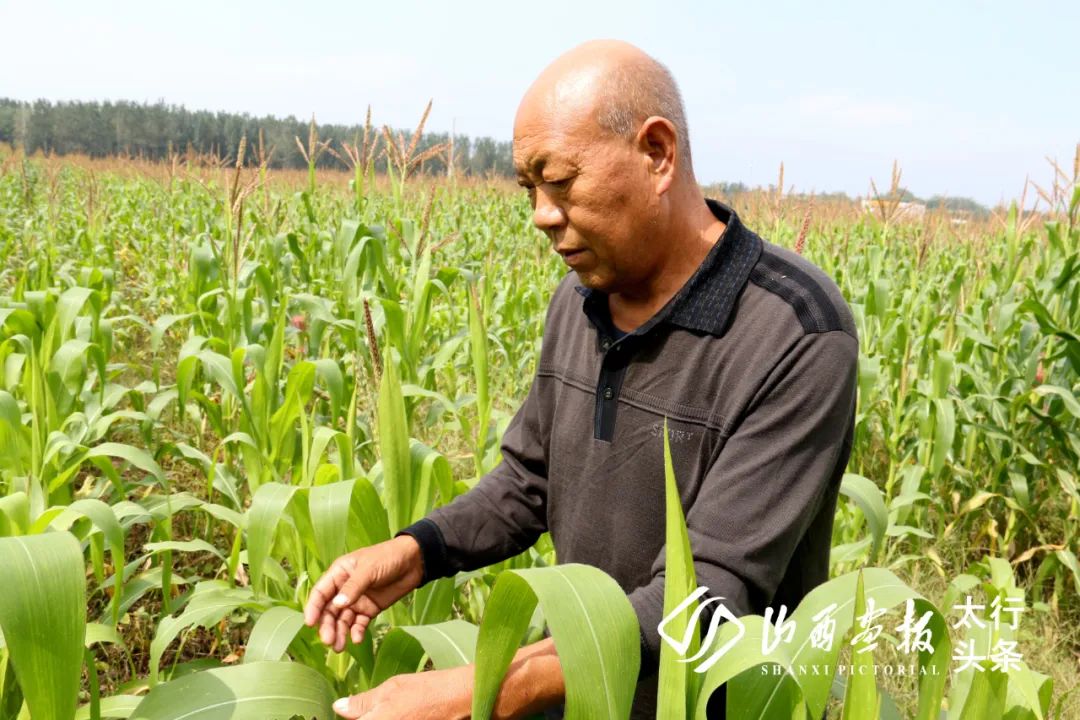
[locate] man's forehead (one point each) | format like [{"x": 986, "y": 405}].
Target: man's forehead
[
  {"x": 535, "y": 117},
  {"x": 532, "y": 155},
  {"x": 545, "y": 136}
]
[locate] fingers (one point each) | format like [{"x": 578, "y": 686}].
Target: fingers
[
  {"x": 327, "y": 628},
  {"x": 366, "y": 606},
  {"x": 358, "y": 627},
  {"x": 326, "y": 588},
  {"x": 344, "y": 622},
  {"x": 355, "y": 706},
  {"x": 350, "y": 623},
  {"x": 352, "y": 588},
  {"x": 338, "y": 604}
]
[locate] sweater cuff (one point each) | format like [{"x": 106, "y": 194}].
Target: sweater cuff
[{"x": 432, "y": 549}]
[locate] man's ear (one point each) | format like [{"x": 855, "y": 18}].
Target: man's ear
[{"x": 658, "y": 143}]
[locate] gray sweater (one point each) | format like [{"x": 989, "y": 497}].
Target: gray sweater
[{"x": 753, "y": 362}]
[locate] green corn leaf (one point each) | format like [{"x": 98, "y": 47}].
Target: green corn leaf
[
  {"x": 878, "y": 300},
  {"x": 226, "y": 514},
  {"x": 71, "y": 360},
  {"x": 273, "y": 632},
  {"x": 101, "y": 633},
  {"x": 298, "y": 390},
  {"x": 448, "y": 644},
  {"x": 348, "y": 233},
  {"x": 219, "y": 368},
  {"x": 478, "y": 345},
  {"x": 366, "y": 263},
  {"x": 420, "y": 305},
  {"x": 21, "y": 321},
  {"x": 1029, "y": 691},
  {"x": 944, "y": 432},
  {"x": 162, "y": 325},
  {"x": 394, "y": 448},
  {"x": 143, "y": 583},
  {"x": 1068, "y": 559},
  {"x": 506, "y": 617},
  {"x": 14, "y": 514},
  {"x": 731, "y": 654},
  {"x": 267, "y": 507},
  {"x": 249, "y": 691},
  {"x": 328, "y": 506},
  {"x": 434, "y": 602},
  {"x": 592, "y": 622},
  {"x": 43, "y": 618},
  {"x": 100, "y": 456},
  {"x": 136, "y": 456},
  {"x": 68, "y": 307},
  {"x": 104, "y": 519},
  {"x": 270, "y": 373},
  {"x": 759, "y": 699},
  {"x": 1068, "y": 399},
  {"x": 117, "y": 706},
  {"x": 394, "y": 317},
  {"x": 861, "y": 699},
  {"x": 986, "y": 696},
  {"x": 943, "y": 373},
  {"x": 211, "y": 601},
  {"x": 869, "y": 374},
  {"x": 368, "y": 523},
  {"x": 432, "y": 470},
  {"x": 320, "y": 441},
  {"x": 182, "y": 546},
  {"x": 678, "y": 687},
  {"x": 14, "y": 435},
  {"x": 186, "y": 368},
  {"x": 398, "y": 653},
  {"x": 868, "y": 497}
]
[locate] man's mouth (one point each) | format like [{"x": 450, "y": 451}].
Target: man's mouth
[{"x": 573, "y": 256}]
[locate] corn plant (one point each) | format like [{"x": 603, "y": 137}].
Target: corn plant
[
  {"x": 216, "y": 396},
  {"x": 843, "y": 601}
]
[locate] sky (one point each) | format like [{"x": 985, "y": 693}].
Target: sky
[{"x": 970, "y": 97}]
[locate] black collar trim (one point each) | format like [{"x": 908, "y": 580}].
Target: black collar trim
[{"x": 706, "y": 301}]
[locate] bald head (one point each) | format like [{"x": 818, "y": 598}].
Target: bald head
[{"x": 614, "y": 85}]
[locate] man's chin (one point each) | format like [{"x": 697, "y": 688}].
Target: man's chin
[{"x": 592, "y": 281}]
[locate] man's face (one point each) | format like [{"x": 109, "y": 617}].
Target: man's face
[{"x": 591, "y": 194}]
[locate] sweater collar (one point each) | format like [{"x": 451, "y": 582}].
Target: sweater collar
[{"x": 707, "y": 299}]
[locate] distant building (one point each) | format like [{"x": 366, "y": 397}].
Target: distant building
[{"x": 902, "y": 211}]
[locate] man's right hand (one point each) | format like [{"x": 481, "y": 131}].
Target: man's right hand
[{"x": 361, "y": 584}]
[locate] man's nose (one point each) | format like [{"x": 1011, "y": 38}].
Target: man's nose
[{"x": 547, "y": 215}]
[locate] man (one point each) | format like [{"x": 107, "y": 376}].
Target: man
[{"x": 675, "y": 310}]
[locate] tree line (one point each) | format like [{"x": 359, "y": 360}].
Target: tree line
[{"x": 153, "y": 131}]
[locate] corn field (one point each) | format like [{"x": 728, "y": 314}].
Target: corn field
[{"x": 214, "y": 381}]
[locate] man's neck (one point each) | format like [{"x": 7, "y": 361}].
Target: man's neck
[{"x": 699, "y": 232}]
